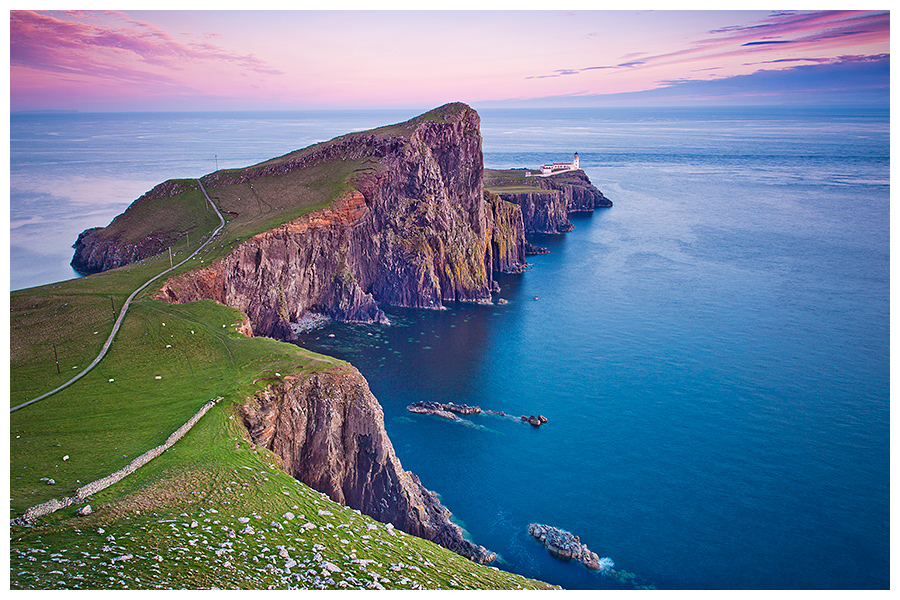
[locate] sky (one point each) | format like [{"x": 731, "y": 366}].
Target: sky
[{"x": 285, "y": 60}]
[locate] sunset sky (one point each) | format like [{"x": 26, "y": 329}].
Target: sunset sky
[{"x": 274, "y": 60}]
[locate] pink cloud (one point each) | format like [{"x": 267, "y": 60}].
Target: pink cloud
[
  {"x": 807, "y": 32},
  {"x": 46, "y": 43}
]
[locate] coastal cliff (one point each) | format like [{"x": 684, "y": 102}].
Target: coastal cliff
[
  {"x": 416, "y": 231},
  {"x": 546, "y": 202},
  {"x": 328, "y": 430}
]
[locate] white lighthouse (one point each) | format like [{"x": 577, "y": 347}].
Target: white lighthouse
[{"x": 554, "y": 168}]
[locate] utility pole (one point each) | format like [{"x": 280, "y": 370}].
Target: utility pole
[
  {"x": 113, "y": 306},
  {"x": 56, "y": 357},
  {"x": 170, "y": 256}
]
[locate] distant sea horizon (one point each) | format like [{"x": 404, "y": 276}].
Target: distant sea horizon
[{"x": 712, "y": 352}]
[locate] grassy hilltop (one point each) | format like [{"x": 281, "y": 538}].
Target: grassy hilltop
[{"x": 214, "y": 510}]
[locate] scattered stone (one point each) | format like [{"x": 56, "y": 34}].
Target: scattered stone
[
  {"x": 289, "y": 516},
  {"x": 331, "y": 567},
  {"x": 84, "y": 510},
  {"x": 325, "y": 513}
]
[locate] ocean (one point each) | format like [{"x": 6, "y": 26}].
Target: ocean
[{"x": 711, "y": 353}]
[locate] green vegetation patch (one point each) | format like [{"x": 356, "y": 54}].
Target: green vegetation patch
[
  {"x": 166, "y": 362},
  {"x": 215, "y": 511},
  {"x": 167, "y": 217},
  {"x": 262, "y": 203},
  {"x": 512, "y": 181}
]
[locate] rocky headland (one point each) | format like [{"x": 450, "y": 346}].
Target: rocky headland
[
  {"x": 546, "y": 202},
  {"x": 409, "y": 223},
  {"x": 418, "y": 231}
]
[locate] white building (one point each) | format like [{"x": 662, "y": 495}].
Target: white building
[{"x": 553, "y": 168}]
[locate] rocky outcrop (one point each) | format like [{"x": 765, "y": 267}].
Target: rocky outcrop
[
  {"x": 564, "y": 545},
  {"x": 103, "y": 248},
  {"x": 547, "y": 208},
  {"x": 447, "y": 410},
  {"x": 579, "y": 193},
  {"x": 417, "y": 233},
  {"x": 328, "y": 430}
]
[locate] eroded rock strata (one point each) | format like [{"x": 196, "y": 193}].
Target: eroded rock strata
[{"x": 328, "y": 430}]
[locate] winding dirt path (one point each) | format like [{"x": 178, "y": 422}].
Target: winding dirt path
[{"x": 125, "y": 306}]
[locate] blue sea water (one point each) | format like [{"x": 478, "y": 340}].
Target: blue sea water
[{"x": 712, "y": 352}]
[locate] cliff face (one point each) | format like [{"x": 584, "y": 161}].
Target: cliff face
[
  {"x": 542, "y": 212},
  {"x": 328, "y": 430},
  {"x": 418, "y": 232},
  {"x": 507, "y": 235}
]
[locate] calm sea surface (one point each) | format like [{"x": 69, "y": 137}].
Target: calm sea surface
[{"x": 712, "y": 353}]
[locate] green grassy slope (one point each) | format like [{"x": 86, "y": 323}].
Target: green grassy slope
[
  {"x": 175, "y": 522},
  {"x": 211, "y": 477}
]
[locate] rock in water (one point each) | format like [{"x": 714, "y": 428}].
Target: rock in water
[
  {"x": 564, "y": 545},
  {"x": 442, "y": 409}
]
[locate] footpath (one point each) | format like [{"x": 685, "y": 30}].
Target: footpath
[{"x": 125, "y": 306}]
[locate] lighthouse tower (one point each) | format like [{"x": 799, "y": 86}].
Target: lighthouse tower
[{"x": 575, "y": 161}]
